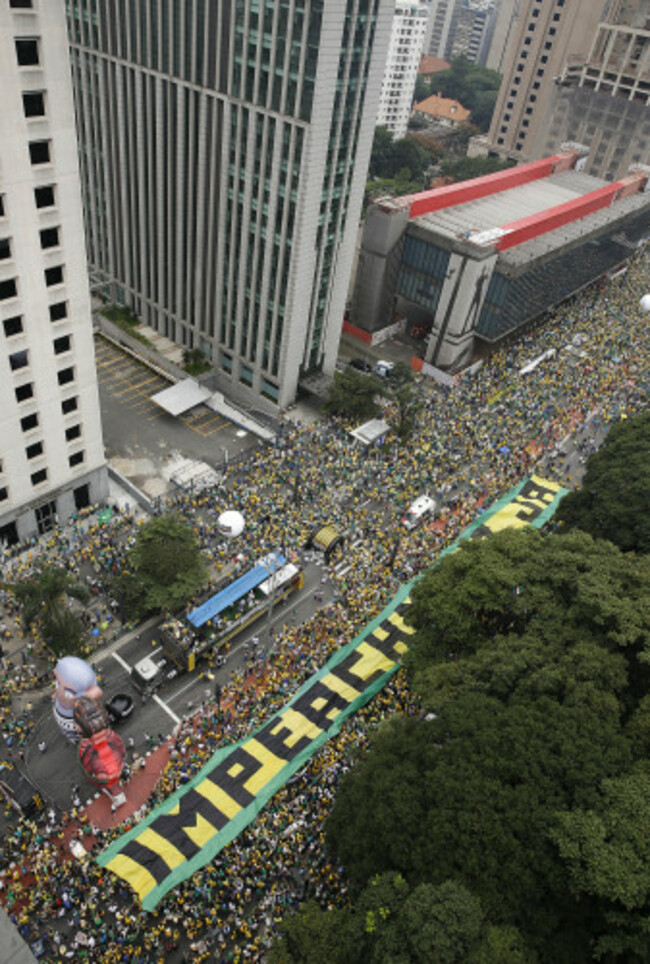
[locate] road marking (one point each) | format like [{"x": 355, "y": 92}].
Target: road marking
[
  {"x": 184, "y": 688},
  {"x": 123, "y": 663},
  {"x": 163, "y": 706},
  {"x": 161, "y": 703}
]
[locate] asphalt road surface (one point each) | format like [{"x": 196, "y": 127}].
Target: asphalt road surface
[{"x": 55, "y": 770}]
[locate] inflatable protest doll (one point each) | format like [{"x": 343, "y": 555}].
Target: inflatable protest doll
[
  {"x": 101, "y": 751},
  {"x": 74, "y": 678}
]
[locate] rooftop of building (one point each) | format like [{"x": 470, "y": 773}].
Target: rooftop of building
[
  {"x": 432, "y": 65},
  {"x": 442, "y": 108},
  {"x": 482, "y": 219}
]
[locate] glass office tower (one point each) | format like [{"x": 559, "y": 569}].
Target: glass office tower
[{"x": 224, "y": 149}]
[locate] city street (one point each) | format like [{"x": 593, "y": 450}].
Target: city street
[{"x": 55, "y": 771}]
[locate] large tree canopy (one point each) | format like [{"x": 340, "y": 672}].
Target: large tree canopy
[
  {"x": 614, "y": 499},
  {"x": 391, "y": 155},
  {"x": 559, "y": 591},
  {"x": 44, "y": 600},
  {"x": 352, "y": 394},
  {"x": 168, "y": 568},
  {"x": 532, "y": 653},
  {"x": 392, "y": 923}
]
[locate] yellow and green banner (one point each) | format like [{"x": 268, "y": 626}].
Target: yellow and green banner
[{"x": 202, "y": 817}]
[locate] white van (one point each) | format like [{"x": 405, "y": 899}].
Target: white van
[
  {"x": 418, "y": 511},
  {"x": 383, "y": 368}
]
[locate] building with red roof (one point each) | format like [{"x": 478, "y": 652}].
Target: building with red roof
[{"x": 469, "y": 264}]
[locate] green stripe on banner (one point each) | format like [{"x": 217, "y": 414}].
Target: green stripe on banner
[{"x": 202, "y": 817}]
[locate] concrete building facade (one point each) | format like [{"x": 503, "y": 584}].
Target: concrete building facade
[
  {"x": 546, "y": 35},
  {"x": 470, "y": 264},
  {"x": 224, "y": 150},
  {"x": 442, "y": 14},
  {"x": 604, "y": 101},
  {"x": 408, "y": 31},
  {"x": 508, "y": 13},
  {"x": 51, "y": 448}
]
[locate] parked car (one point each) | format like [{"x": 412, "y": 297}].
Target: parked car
[
  {"x": 383, "y": 368},
  {"x": 119, "y": 707},
  {"x": 422, "y": 507},
  {"x": 361, "y": 365}
]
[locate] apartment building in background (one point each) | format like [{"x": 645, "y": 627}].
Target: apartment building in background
[
  {"x": 603, "y": 100},
  {"x": 506, "y": 20},
  {"x": 51, "y": 449},
  {"x": 473, "y": 24},
  {"x": 408, "y": 30},
  {"x": 547, "y": 34},
  {"x": 442, "y": 13},
  {"x": 224, "y": 151}
]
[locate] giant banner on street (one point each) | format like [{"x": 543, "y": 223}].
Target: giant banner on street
[{"x": 186, "y": 831}]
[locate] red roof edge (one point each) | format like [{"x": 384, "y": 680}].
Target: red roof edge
[
  {"x": 426, "y": 202},
  {"x": 525, "y": 229}
]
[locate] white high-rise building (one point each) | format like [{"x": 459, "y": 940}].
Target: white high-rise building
[
  {"x": 224, "y": 151},
  {"x": 408, "y": 31},
  {"x": 51, "y": 449}
]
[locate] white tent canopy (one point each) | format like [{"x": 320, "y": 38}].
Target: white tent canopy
[
  {"x": 181, "y": 397},
  {"x": 371, "y": 432}
]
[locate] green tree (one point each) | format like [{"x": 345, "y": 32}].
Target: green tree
[
  {"x": 475, "y": 87},
  {"x": 390, "y": 156},
  {"x": 614, "y": 499},
  {"x": 314, "y": 936},
  {"x": 195, "y": 361},
  {"x": 381, "y": 156},
  {"x": 503, "y": 945},
  {"x": 168, "y": 567},
  {"x": 472, "y": 795},
  {"x": 443, "y": 923},
  {"x": 44, "y": 601},
  {"x": 607, "y": 851},
  {"x": 353, "y": 394},
  {"x": 465, "y": 168},
  {"x": 389, "y": 924},
  {"x": 563, "y": 590},
  {"x": 532, "y": 653},
  {"x": 422, "y": 89}
]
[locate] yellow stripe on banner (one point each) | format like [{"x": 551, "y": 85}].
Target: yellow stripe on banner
[
  {"x": 370, "y": 660},
  {"x": 299, "y": 725},
  {"x": 202, "y": 832},
  {"x": 337, "y": 685},
  {"x": 506, "y": 518},
  {"x": 546, "y": 484},
  {"x": 380, "y": 633},
  {"x": 270, "y": 765},
  {"x": 133, "y": 873},
  {"x": 166, "y": 850},
  {"x": 218, "y": 798},
  {"x": 398, "y": 623}
]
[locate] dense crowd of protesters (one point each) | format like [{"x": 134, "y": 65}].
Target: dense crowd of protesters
[{"x": 470, "y": 444}]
